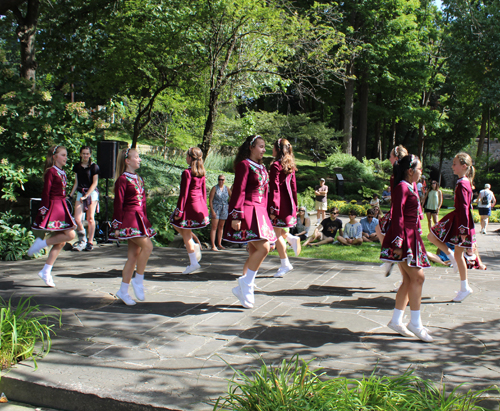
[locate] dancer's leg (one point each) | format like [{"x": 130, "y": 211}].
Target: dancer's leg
[{"x": 145, "y": 249}]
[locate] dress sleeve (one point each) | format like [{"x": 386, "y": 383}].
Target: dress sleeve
[
  {"x": 396, "y": 232},
  {"x": 185, "y": 183},
  {"x": 238, "y": 195},
  {"x": 293, "y": 186},
  {"x": 47, "y": 187},
  {"x": 274, "y": 189},
  {"x": 120, "y": 187},
  {"x": 462, "y": 206}
]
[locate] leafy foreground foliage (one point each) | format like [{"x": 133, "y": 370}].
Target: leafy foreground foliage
[
  {"x": 292, "y": 386},
  {"x": 22, "y": 328},
  {"x": 15, "y": 240}
]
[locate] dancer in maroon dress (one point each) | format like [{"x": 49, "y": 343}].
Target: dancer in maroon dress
[
  {"x": 403, "y": 245},
  {"x": 457, "y": 227},
  {"x": 282, "y": 201},
  {"x": 192, "y": 211},
  {"x": 53, "y": 214},
  {"x": 397, "y": 153},
  {"x": 130, "y": 222},
  {"x": 248, "y": 220}
]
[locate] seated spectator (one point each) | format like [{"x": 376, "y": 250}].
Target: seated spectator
[
  {"x": 353, "y": 231},
  {"x": 368, "y": 225},
  {"x": 377, "y": 213},
  {"x": 327, "y": 230},
  {"x": 386, "y": 195},
  {"x": 375, "y": 202},
  {"x": 440, "y": 257},
  {"x": 301, "y": 229}
]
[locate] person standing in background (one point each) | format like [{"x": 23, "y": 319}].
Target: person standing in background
[
  {"x": 321, "y": 192},
  {"x": 218, "y": 199},
  {"x": 485, "y": 203}
]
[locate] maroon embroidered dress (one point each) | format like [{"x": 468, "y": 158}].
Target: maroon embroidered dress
[
  {"x": 282, "y": 196},
  {"x": 53, "y": 214},
  {"x": 405, "y": 230},
  {"x": 249, "y": 204},
  {"x": 129, "y": 216},
  {"x": 460, "y": 221},
  {"x": 192, "y": 202}
]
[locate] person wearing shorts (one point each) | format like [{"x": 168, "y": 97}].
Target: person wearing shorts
[
  {"x": 485, "y": 202},
  {"x": 321, "y": 192}
]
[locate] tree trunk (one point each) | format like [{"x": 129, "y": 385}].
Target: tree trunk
[
  {"x": 482, "y": 132},
  {"x": 377, "y": 147},
  {"x": 209, "y": 124},
  {"x": 26, "y": 32},
  {"x": 421, "y": 139},
  {"x": 348, "y": 113},
  {"x": 363, "y": 119}
]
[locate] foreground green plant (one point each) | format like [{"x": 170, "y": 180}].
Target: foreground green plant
[
  {"x": 22, "y": 328},
  {"x": 292, "y": 386}
]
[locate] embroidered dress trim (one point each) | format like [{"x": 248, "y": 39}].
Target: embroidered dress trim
[
  {"x": 463, "y": 230},
  {"x": 115, "y": 224},
  {"x": 131, "y": 175},
  {"x": 178, "y": 212},
  {"x": 261, "y": 166},
  {"x": 43, "y": 210},
  {"x": 235, "y": 214}
]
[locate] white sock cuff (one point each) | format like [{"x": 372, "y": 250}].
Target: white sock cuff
[{"x": 192, "y": 258}]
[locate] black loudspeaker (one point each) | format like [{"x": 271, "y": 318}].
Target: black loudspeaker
[{"x": 106, "y": 158}]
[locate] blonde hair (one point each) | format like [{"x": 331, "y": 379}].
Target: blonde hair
[
  {"x": 284, "y": 152},
  {"x": 49, "y": 160},
  {"x": 197, "y": 167},
  {"x": 399, "y": 152},
  {"x": 465, "y": 159},
  {"x": 121, "y": 166}
]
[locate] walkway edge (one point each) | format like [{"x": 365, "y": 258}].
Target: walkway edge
[{"x": 68, "y": 400}]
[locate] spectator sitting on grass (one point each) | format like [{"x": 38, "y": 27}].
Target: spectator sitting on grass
[
  {"x": 375, "y": 202},
  {"x": 368, "y": 225},
  {"x": 377, "y": 213},
  {"x": 353, "y": 231},
  {"x": 329, "y": 227},
  {"x": 386, "y": 195}
]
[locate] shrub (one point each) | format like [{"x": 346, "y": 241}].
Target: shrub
[
  {"x": 15, "y": 240},
  {"x": 159, "y": 211},
  {"x": 22, "y": 328},
  {"x": 306, "y": 198},
  {"x": 293, "y": 386}
]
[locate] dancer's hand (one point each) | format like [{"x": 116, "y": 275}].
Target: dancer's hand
[
  {"x": 177, "y": 217},
  {"x": 117, "y": 233},
  {"x": 272, "y": 216},
  {"x": 236, "y": 225},
  {"x": 398, "y": 252}
]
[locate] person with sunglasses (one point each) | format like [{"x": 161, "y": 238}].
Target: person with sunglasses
[
  {"x": 353, "y": 234},
  {"x": 219, "y": 205},
  {"x": 368, "y": 225},
  {"x": 327, "y": 230}
]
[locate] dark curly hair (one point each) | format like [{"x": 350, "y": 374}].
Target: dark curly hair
[{"x": 244, "y": 150}]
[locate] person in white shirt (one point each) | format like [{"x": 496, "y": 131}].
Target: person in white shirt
[
  {"x": 485, "y": 202},
  {"x": 352, "y": 232}
]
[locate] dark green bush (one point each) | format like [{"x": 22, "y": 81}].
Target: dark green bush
[{"x": 15, "y": 239}]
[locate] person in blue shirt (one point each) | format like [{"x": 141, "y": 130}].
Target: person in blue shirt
[
  {"x": 352, "y": 232},
  {"x": 368, "y": 225}
]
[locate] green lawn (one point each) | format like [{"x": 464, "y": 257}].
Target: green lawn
[{"x": 366, "y": 252}]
